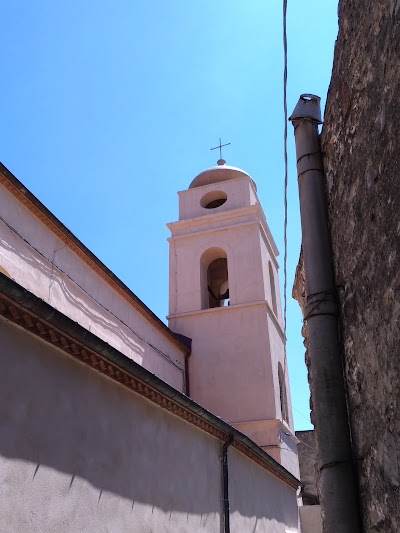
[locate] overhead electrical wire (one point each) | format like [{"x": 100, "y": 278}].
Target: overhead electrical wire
[
  {"x": 285, "y": 184},
  {"x": 285, "y": 159}
]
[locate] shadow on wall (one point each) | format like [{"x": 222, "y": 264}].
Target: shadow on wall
[
  {"x": 59, "y": 417},
  {"x": 57, "y": 280},
  {"x": 4, "y": 271}
]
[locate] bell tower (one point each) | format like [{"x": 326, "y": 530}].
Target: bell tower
[{"x": 224, "y": 295}]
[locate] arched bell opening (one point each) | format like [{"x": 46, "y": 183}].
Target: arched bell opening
[
  {"x": 273, "y": 290},
  {"x": 283, "y": 394},
  {"x": 214, "y": 279}
]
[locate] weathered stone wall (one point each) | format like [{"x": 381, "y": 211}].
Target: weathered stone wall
[
  {"x": 361, "y": 146},
  {"x": 307, "y": 449},
  {"x": 299, "y": 294}
]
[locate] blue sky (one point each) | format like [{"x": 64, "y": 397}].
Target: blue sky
[{"x": 109, "y": 108}]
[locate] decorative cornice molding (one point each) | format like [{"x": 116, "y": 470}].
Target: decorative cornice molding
[
  {"x": 209, "y": 218},
  {"x": 245, "y": 216},
  {"x": 53, "y": 335},
  {"x": 29, "y": 320},
  {"x": 277, "y": 422},
  {"x": 244, "y": 177},
  {"x": 234, "y": 307},
  {"x": 194, "y": 234}
]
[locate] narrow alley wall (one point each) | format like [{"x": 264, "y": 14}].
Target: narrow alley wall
[{"x": 361, "y": 152}]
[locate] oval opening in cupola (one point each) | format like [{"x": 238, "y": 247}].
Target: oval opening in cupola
[{"x": 213, "y": 199}]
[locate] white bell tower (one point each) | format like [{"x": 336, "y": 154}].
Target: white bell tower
[{"x": 224, "y": 295}]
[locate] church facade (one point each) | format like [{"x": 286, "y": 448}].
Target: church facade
[{"x": 111, "y": 421}]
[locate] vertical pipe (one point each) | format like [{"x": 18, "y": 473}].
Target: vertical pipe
[
  {"x": 337, "y": 486},
  {"x": 187, "y": 381},
  {"x": 225, "y": 485}
]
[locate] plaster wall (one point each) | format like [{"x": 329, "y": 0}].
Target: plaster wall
[
  {"x": 307, "y": 450},
  {"x": 277, "y": 349},
  {"x": 275, "y": 325},
  {"x": 288, "y": 453},
  {"x": 265, "y": 433},
  {"x": 311, "y": 519},
  {"x": 40, "y": 262},
  {"x": 275, "y": 438},
  {"x": 239, "y": 191},
  {"x": 241, "y": 244},
  {"x": 234, "y": 374},
  {"x": 79, "y": 452},
  {"x": 230, "y": 364},
  {"x": 267, "y": 256},
  {"x": 248, "y": 483},
  {"x": 286, "y": 439}
]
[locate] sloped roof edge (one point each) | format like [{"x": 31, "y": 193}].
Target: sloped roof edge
[
  {"x": 23, "y": 195},
  {"x": 26, "y": 310}
]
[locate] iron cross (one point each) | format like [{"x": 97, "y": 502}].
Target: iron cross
[{"x": 220, "y": 147}]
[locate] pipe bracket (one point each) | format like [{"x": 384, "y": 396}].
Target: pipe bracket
[{"x": 321, "y": 303}]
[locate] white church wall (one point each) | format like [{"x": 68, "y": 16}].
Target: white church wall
[
  {"x": 267, "y": 258},
  {"x": 311, "y": 519},
  {"x": 277, "y": 348},
  {"x": 79, "y": 452},
  {"x": 257, "y": 502},
  {"x": 286, "y": 437},
  {"x": 39, "y": 261},
  {"x": 288, "y": 451},
  {"x": 288, "y": 448}
]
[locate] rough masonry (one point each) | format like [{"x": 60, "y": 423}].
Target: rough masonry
[{"x": 360, "y": 144}]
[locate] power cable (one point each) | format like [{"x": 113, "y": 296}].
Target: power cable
[
  {"x": 300, "y": 413},
  {"x": 285, "y": 158}
]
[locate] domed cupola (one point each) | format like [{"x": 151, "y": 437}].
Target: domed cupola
[
  {"x": 220, "y": 172},
  {"x": 215, "y": 190}
]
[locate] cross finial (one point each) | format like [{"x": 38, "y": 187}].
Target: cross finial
[{"x": 220, "y": 149}]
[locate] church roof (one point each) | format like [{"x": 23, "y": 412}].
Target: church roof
[
  {"x": 22, "y": 194},
  {"x": 220, "y": 172}
]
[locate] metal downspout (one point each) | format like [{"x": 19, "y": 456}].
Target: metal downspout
[
  {"x": 225, "y": 485},
  {"x": 187, "y": 381},
  {"x": 337, "y": 486}
]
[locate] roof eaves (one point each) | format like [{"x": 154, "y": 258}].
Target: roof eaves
[
  {"x": 22, "y": 194},
  {"x": 20, "y": 306}
]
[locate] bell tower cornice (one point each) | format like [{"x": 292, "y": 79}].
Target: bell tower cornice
[{"x": 251, "y": 215}]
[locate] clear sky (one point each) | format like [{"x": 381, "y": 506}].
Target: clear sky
[{"x": 110, "y": 107}]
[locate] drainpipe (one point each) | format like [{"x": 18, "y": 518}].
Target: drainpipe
[
  {"x": 337, "y": 486},
  {"x": 186, "y": 341},
  {"x": 225, "y": 485},
  {"x": 187, "y": 382}
]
